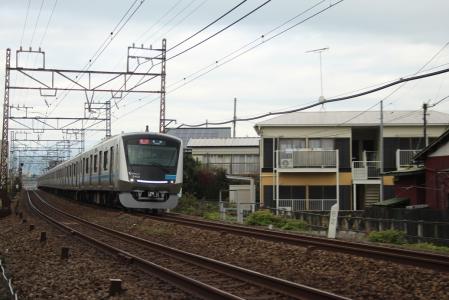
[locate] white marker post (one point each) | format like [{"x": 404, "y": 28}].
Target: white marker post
[{"x": 333, "y": 221}]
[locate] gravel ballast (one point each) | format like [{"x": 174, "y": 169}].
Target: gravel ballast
[{"x": 347, "y": 275}]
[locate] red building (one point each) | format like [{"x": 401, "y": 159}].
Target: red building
[{"x": 428, "y": 183}]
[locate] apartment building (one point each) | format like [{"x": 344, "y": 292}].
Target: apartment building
[
  {"x": 312, "y": 160},
  {"x": 238, "y": 156}
]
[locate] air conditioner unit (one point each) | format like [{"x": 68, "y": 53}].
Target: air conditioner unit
[{"x": 286, "y": 163}]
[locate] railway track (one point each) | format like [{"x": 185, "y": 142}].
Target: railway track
[
  {"x": 403, "y": 256},
  {"x": 199, "y": 276}
]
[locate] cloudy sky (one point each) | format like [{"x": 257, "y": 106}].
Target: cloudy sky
[{"x": 370, "y": 43}]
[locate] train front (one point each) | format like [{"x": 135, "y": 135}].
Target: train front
[{"x": 153, "y": 171}]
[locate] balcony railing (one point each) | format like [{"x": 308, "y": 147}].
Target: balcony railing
[
  {"x": 364, "y": 170},
  {"x": 237, "y": 168},
  {"x": 306, "y": 204},
  {"x": 404, "y": 158},
  {"x": 307, "y": 158}
]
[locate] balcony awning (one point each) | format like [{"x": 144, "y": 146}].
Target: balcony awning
[
  {"x": 406, "y": 172},
  {"x": 393, "y": 202}
]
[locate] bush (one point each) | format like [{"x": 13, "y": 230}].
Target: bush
[
  {"x": 387, "y": 236},
  {"x": 265, "y": 218},
  {"x": 214, "y": 215},
  {"x": 190, "y": 205}
]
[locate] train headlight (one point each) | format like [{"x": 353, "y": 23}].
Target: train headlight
[{"x": 133, "y": 176}]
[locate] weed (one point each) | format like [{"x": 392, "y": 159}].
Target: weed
[
  {"x": 265, "y": 218},
  {"x": 387, "y": 236}
]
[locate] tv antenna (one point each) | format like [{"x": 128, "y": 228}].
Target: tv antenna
[{"x": 319, "y": 51}]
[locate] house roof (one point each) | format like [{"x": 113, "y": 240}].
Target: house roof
[
  {"x": 191, "y": 133},
  {"x": 225, "y": 142},
  {"x": 442, "y": 139},
  {"x": 356, "y": 118}
]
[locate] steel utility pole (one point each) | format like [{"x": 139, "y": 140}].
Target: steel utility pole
[
  {"x": 163, "y": 73},
  {"x": 381, "y": 151},
  {"x": 235, "y": 116},
  {"x": 6, "y": 204},
  {"x": 424, "y": 106}
]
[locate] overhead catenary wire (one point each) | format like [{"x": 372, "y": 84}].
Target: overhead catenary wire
[
  {"x": 172, "y": 18},
  {"x": 242, "y": 53},
  {"x": 48, "y": 23},
  {"x": 220, "y": 31},
  {"x": 37, "y": 22},
  {"x": 25, "y": 23},
  {"x": 116, "y": 30}
]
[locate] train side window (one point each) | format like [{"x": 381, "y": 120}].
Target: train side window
[
  {"x": 90, "y": 166},
  {"x": 87, "y": 165},
  {"x": 95, "y": 163},
  {"x": 112, "y": 158},
  {"x": 100, "y": 156},
  {"x": 105, "y": 160}
]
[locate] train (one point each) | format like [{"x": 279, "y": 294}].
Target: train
[{"x": 140, "y": 170}]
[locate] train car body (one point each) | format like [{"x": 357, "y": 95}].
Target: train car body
[{"x": 138, "y": 170}]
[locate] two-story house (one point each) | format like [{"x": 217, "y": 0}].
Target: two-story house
[
  {"x": 238, "y": 156},
  {"x": 312, "y": 160}
]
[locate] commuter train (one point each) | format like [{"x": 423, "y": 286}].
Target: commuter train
[{"x": 137, "y": 170}]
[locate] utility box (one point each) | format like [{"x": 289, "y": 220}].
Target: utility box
[{"x": 241, "y": 194}]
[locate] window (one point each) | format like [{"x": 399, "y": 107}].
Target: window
[
  {"x": 325, "y": 144},
  {"x": 87, "y": 165},
  {"x": 105, "y": 160},
  {"x": 112, "y": 158},
  {"x": 95, "y": 163},
  {"x": 291, "y": 144}
]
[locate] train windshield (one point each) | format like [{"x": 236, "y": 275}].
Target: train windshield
[{"x": 152, "y": 152}]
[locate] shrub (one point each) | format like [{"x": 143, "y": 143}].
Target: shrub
[
  {"x": 190, "y": 205},
  {"x": 214, "y": 215},
  {"x": 387, "y": 236},
  {"x": 265, "y": 218}
]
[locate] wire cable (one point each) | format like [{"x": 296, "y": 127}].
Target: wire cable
[
  {"x": 220, "y": 31},
  {"x": 37, "y": 21},
  {"x": 207, "y": 26},
  {"x": 25, "y": 23},
  {"x": 48, "y": 23},
  {"x": 399, "y": 81}
]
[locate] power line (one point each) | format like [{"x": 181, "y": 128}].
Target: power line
[
  {"x": 172, "y": 18},
  {"x": 220, "y": 31},
  {"x": 242, "y": 53},
  {"x": 48, "y": 23},
  {"x": 207, "y": 26},
  {"x": 37, "y": 21},
  {"x": 105, "y": 44},
  {"x": 160, "y": 19},
  {"x": 399, "y": 81},
  {"x": 25, "y": 23}
]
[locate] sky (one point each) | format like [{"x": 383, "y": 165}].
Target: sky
[{"x": 370, "y": 43}]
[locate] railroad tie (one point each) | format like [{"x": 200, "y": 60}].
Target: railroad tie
[
  {"x": 115, "y": 287},
  {"x": 65, "y": 252},
  {"x": 43, "y": 236}
]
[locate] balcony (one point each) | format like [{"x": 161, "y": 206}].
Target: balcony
[
  {"x": 365, "y": 170},
  {"x": 309, "y": 159},
  {"x": 236, "y": 168},
  {"x": 404, "y": 158},
  {"x": 306, "y": 204}
]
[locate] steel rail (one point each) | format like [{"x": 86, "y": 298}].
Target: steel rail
[
  {"x": 183, "y": 282},
  {"x": 284, "y": 287},
  {"x": 403, "y": 256}
]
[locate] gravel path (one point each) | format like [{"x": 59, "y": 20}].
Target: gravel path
[{"x": 351, "y": 276}]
